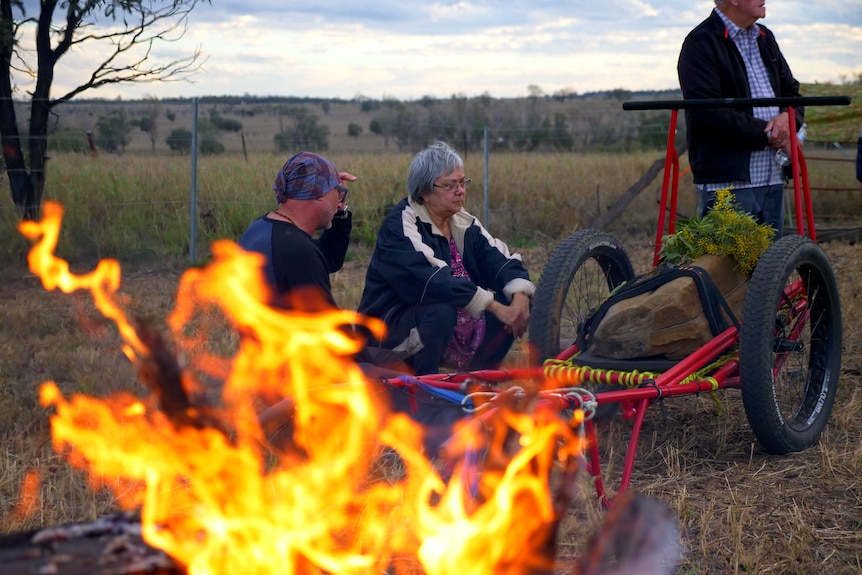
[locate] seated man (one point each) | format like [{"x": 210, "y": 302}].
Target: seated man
[
  {"x": 310, "y": 196},
  {"x": 448, "y": 292}
]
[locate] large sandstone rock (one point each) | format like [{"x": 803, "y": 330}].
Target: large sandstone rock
[{"x": 670, "y": 320}]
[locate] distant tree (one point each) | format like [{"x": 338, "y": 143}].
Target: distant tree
[
  {"x": 229, "y": 125},
  {"x": 224, "y": 124},
  {"x": 124, "y": 46},
  {"x": 114, "y": 131},
  {"x": 304, "y": 132},
  {"x": 560, "y": 135},
  {"x": 210, "y": 147},
  {"x": 170, "y": 115},
  {"x": 180, "y": 140},
  {"x": 375, "y": 127},
  {"x": 383, "y": 125},
  {"x": 369, "y": 105},
  {"x": 534, "y": 91},
  {"x": 149, "y": 122},
  {"x": 620, "y": 94},
  {"x": 564, "y": 94},
  {"x": 324, "y": 105},
  {"x": 354, "y": 130}
]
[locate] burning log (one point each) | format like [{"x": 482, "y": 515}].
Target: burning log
[
  {"x": 639, "y": 538},
  {"x": 108, "y": 546}
]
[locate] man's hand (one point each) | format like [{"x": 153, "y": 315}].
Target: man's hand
[
  {"x": 342, "y": 206},
  {"x": 778, "y": 130}
]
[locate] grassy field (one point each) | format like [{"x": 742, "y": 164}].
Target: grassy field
[
  {"x": 136, "y": 207},
  {"x": 739, "y": 509}
]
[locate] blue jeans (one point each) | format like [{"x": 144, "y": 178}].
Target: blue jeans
[{"x": 765, "y": 203}]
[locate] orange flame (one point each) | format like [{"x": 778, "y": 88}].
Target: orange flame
[{"x": 225, "y": 502}]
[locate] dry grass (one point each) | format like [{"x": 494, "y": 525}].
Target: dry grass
[{"x": 739, "y": 510}]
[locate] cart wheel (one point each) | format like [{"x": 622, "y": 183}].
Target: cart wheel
[
  {"x": 580, "y": 274},
  {"x": 790, "y": 345}
]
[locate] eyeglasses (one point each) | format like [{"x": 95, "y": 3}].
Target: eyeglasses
[
  {"x": 342, "y": 193},
  {"x": 454, "y": 185}
]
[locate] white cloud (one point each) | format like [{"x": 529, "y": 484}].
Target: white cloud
[{"x": 407, "y": 49}]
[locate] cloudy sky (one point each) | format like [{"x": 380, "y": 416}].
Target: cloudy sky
[{"x": 410, "y": 48}]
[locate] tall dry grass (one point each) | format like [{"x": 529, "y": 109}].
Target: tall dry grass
[{"x": 137, "y": 207}]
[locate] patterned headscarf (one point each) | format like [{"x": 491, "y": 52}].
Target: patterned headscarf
[{"x": 305, "y": 176}]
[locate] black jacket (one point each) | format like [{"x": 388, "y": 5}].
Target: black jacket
[
  {"x": 720, "y": 141},
  {"x": 411, "y": 265}
]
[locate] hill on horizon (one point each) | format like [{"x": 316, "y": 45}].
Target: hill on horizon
[{"x": 553, "y": 122}]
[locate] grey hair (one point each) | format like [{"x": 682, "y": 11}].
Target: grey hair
[{"x": 438, "y": 159}]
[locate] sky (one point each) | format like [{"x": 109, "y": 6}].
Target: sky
[{"x": 408, "y": 49}]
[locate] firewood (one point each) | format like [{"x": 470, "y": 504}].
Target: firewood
[{"x": 107, "y": 546}]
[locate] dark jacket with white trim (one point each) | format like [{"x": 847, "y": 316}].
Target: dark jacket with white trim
[{"x": 411, "y": 265}]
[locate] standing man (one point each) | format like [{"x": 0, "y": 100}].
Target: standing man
[
  {"x": 729, "y": 55},
  {"x": 311, "y": 196}
]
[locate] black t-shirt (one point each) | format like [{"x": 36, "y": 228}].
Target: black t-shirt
[{"x": 296, "y": 262}]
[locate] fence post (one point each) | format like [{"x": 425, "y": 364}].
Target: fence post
[
  {"x": 485, "y": 215},
  {"x": 193, "y": 207}
]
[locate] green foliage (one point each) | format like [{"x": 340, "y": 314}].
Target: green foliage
[
  {"x": 375, "y": 127},
  {"x": 354, "y": 130},
  {"x": 145, "y": 124},
  {"x": 68, "y": 141},
  {"x": 724, "y": 230},
  {"x": 225, "y": 124},
  {"x": 305, "y": 132},
  {"x": 180, "y": 140},
  {"x": 211, "y": 147},
  {"x": 114, "y": 131},
  {"x": 366, "y": 106}
]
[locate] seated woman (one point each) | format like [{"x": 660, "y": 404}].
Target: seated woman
[{"x": 449, "y": 293}]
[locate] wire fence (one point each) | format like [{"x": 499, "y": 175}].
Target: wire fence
[{"x": 586, "y": 190}]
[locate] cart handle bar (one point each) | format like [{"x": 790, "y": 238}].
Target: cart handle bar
[{"x": 794, "y": 101}]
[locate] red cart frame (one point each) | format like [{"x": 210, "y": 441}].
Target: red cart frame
[{"x": 784, "y": 355}]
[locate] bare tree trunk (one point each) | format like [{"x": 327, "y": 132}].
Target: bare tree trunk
[{"x": 16, "y": 168}]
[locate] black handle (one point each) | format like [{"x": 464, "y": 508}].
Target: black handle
[{"x": 794, "y": 101}]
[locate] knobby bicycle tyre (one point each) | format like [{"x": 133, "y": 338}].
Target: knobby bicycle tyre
[
  {"x": 580, "y": 274},
  {"x": 790, "y": 345}
]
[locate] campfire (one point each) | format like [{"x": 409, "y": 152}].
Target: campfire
[{"x": 218, "y": 496}]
